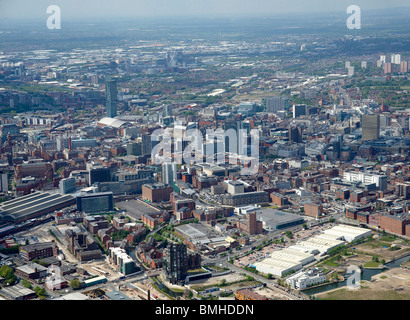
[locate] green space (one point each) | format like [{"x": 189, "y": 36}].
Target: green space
[{"x": 364, "y": 293}]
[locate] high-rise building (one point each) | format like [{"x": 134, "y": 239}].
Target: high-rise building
[
  {"x": 395, "y": 58},
  {"x": 370, "y": 127},
  {"x": 175, "y": 263},
  {"x": 275, "y": 103},
  {"x": 111, "y": 98},
  {"x": 4, "y": 182},
  {"x": 295, "y": 134},
  {"x": 387, "y": 67},
  {"x": 404, "y": 67},
  {"x": 169, "y": 173},
  {"x": 383, "y": 58},
  {"x": 67, "y": 185},
  {"x": 146, "y": 147},
  {"x": 299, "y": 110}
]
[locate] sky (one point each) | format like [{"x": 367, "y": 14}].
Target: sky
[{"x": 81, "y": 9}]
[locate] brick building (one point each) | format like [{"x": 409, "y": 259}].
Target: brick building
[
  {"x": 156, "y": 192},
  {"x": 313, "y": 210},
  {"x": 394, "y": 223},
  {"x": 38, "y": 251}
]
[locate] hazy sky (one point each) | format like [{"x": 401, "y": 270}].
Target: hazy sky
[{"x": 36, "y": 9}]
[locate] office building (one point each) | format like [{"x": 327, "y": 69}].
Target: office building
[
  {"x": 95, "y": 202},
  {"x": 67, "y": 185},
  {"x": 275, "y": 103},
  {"x": 299, "y": 110},
  {"x": 175, "y": 263},
  {"x": 366, "y": 178},
  {"x": 4, "y": 182},
  {"x": 111, "y": 98},
  {"x": 169, "y": 173},
  {"x": 122, "y": 261},
  {"x": 370, "y": 127},
  {"x": 295, "y": 134},
  {"x": 99, "y": 174}
]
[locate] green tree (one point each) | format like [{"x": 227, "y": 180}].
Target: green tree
[
  {"x": 41, "y": 292},
  {"x": 75, "y": 284},
  {"x": 26, "y": 283}
]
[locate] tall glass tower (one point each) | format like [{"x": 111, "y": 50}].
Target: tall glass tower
[{"x": 111, "y": 98}]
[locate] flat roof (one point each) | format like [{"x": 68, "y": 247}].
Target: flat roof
[{"x": 276, "y": 217}]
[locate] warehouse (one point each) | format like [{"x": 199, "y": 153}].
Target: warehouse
[
  {"x": 284, "y": 261},
  {"x": 348, "y": 233},
  {"x": 17, "y": 292},
  {"x": 33, "y": 205},
  {"x": 321, "y": 243},
  {"x": 276, "y": 267}
]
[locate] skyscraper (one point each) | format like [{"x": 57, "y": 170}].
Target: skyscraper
[
  {"x": 111, "y": 98},
  {"x": 175, "y": 263},
  {"x": 370, "y": 127}
]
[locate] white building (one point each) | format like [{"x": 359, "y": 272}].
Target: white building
[
  {"x": 348, "y": 233},
  {"x": 395, "y": 58},
  {"x": 304, "y": 279},
  {"x": 366, "y": 178},
  {"x": 283, "y": 261}
]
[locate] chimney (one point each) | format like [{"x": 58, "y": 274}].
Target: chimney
[{"x": 149, "y": 295}]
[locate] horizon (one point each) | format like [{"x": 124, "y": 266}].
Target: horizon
[{"x": 178, "y": 9}]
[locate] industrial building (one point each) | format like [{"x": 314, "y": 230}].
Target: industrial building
[
  {"x": 18, "y": 292},
  {"x": 319, "y": 244},
  {"x": 348, "y": 233},
  {"x": 284, "y": 261},
  {"x": 33, "y": 205}
]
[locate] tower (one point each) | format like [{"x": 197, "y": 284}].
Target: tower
[
  {"x": 111, "y": 98},
  {"x": 370, "y": 127},
  {"x": 175, "y": 263}
]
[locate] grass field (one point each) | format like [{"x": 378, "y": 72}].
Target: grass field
[{"x": 365, "y": 293}]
